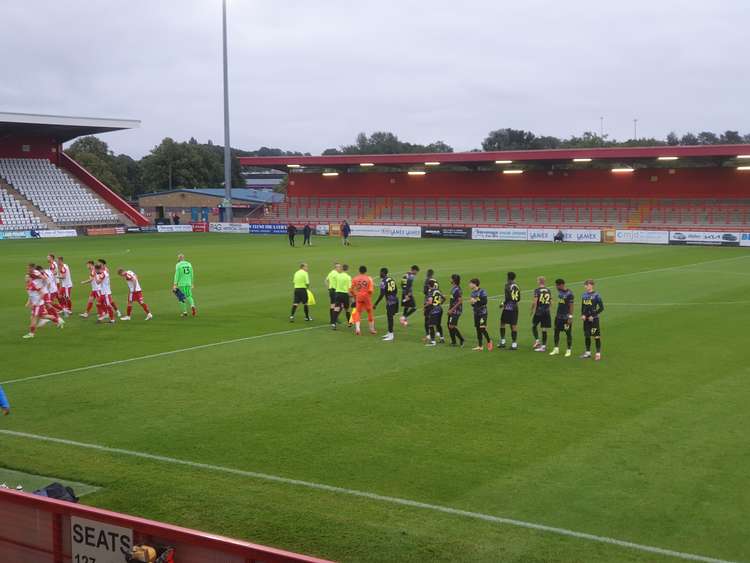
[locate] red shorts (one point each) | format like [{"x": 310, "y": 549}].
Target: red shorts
[
  {"x": 94, "y": 295},
  {"x": 105, "y": 300},
  {"x": 136, "y": 296},
  {"x": 64, "y": 292},
  {"x": 38, "y": 310}
]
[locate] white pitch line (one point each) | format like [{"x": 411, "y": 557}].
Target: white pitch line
[
  {"x": 284, "y": 332},
  {"x": 374, "y": 497},
  {"x": 161, "y": 354}
]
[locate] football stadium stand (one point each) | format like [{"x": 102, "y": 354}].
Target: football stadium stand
[
  {"x": 42, "y": 188},
  {"x": 14, "y": 216},
  {"x": 655, "y": 187},
  {"x": 57, "y": 195}
]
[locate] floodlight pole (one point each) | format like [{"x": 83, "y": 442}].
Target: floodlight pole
[{"x": 227, "y": 146}]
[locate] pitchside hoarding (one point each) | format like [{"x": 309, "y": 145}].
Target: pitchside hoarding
[
  {"x": 481, "y": 233},
  {"x": 570, "y": 235},
  {"x": 174, "y": 228},
  {"x": 446, "y": 232},
  {"x": 58, "y": 233},
  {"x": 745, "y": 239},
  {"x": 235, "y": 228},
  {"x": 267, "y": 229},
  {"x": 389, "y": 231},
  {"x": 705, "y": 238},
  {"x": 642, "y": 237}
]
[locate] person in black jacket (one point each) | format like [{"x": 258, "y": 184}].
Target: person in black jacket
[
  {"x": 291, "y": 230},
  {"x": 307, "y": 232}
]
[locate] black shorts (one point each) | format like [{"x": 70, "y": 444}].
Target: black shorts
[
  {"x": 509, "y": 317},
  {"x": 592, "y": 327},
  {"x": 453, "y": 319},
  {"x": 332, "y": 295},
  {"x": 342, "y": 299},
  {"x": 409, "y": 303},
  {"x": 560, "y": 323},
  {"x": 436, "y": 317},
  {"x": 300, "y": 295},
  {"x": 391, "y": 309},
  {"x": 480, "y": 321},
  {"x": 543, "y": 319}
]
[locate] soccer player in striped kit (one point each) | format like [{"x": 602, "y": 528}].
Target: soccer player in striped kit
[{"x": 135, "y": 294}]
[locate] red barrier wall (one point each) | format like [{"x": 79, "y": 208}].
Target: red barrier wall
[
  {"x": 103, "y": 191},
  {"x": 35, "y": 529},
  {"x": 683, "y": 183}
]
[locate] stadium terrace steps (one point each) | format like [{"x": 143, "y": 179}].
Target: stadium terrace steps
[
  {"x": 18, "y": 213},
  {"x": 121, "y": 218},
  {"x": 574, "y": 212},
  {"x": 64, "y": 201}
]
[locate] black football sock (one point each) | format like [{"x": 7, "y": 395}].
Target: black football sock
[
  {"x": 452, "y": 333},
  {"x": 390, "y": 323},
  {"x": 502, "y": 332},
  {"x": 588, "y": 343},
  {"x": 598, "y": 342},
  {"x": 544, "y": 338},
  {"x": 458, "y": 334},
  {"x": 479, "y": 336},
  {"x": 330, "y": 316},
  {"x": 569, "y": 334},
  {"x": 440, "y": 331},
  {"x": 334, "y": 316},
  {"x": 294, "y": 310},
  {"x": 556, "y": 337},
  {"x": 307, "y": 312},
  {"x": 426, "y": 326},
  {"x": 432, "y": 333},
  {"x": 535, "y": 332},
  {"x": 486, "y": 334},
  {"x": 514, "y": 335}
]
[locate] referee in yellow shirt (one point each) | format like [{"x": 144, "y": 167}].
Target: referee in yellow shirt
[{"x": 301, "y": 281}]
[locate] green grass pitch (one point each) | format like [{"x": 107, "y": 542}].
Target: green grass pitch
[{"x": 648, "y": 446}]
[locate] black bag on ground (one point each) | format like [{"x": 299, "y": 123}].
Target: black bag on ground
[{"x": 57, "y": 491}]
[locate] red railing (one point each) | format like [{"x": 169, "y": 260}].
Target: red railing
[
  {"x": 103, "y": 191},
  {"x": 37, "y": 529}
]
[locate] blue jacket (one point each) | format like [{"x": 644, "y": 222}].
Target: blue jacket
[{"x": 4, "y": 404}]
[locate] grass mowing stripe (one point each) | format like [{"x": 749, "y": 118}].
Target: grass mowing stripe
[
  {"x": 284, "y": 332},
  {"x": 160, "y": 354},
  {"x": 375, "y": 497}
]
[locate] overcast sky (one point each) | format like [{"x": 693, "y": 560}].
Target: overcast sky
[{"x": 306, "y": 75}]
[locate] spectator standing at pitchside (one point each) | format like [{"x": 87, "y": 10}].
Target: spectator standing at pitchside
[
  {"x": 307, "y": 233},
  {"x": 291, "y": 230},
  {"x": 346, "y": 232}
]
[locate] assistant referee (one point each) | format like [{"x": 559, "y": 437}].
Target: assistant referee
[{"x": 301, "y": 282}]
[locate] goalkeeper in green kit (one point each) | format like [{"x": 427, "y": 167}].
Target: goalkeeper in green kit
[{"x": 183, "y": 284}]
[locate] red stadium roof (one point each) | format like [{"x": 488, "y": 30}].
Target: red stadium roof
[{"x": 469, "y": 158}]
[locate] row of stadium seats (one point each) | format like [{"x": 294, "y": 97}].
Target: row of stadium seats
[
  {"x": 59, "y": 196},
  {"x": 14, "y": 216},
  {"x": 517, "y": 211}
]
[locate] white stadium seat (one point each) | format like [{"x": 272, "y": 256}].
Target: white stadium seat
[{"x": 56, "y": 194}]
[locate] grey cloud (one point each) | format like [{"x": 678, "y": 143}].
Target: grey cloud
[{"x": 310, "y": 75}]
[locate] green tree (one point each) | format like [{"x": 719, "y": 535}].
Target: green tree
[
  {"x": 94, "y": 155},
  {"x": 385, "y": 142}
]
